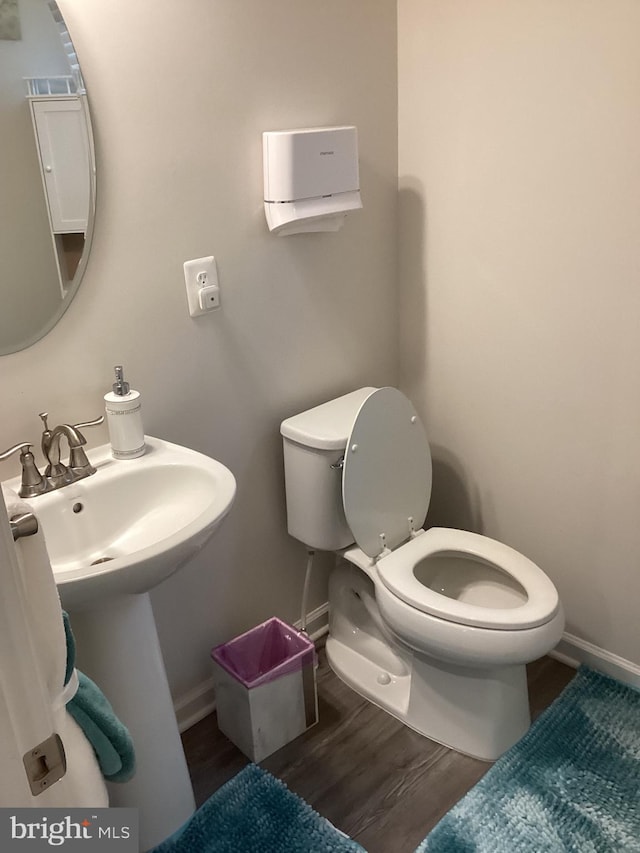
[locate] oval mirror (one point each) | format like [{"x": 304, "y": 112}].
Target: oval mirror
[{"x": 47, "y": 172}]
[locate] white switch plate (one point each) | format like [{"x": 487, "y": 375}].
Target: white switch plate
[{"x": 199, "y": 274}]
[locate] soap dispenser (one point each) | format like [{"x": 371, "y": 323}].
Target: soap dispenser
[{"x": 124, "y": 419}]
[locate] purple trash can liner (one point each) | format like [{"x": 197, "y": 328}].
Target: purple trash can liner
[{"x": 265, "y": 653}]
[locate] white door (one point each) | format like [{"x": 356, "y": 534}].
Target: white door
[{"x": 26, "y": 717}]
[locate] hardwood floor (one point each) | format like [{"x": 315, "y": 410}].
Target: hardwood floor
[{"x": 373, "y": 778}]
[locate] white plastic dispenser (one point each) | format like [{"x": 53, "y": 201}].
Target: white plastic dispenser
[
  {"x": 311, "y": 178},
  {"x": 124, "y": 419}
]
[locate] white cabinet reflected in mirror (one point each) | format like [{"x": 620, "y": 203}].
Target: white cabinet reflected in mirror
[{"x": 47, "y": 175}]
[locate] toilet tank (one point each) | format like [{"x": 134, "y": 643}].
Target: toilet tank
[{"x": 314, "y": 441}]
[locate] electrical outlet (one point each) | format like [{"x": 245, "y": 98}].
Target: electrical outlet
[{"x": 201, "y": 280}]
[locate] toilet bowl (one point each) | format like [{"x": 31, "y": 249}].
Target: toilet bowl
[{"x": 434, "y": 626}]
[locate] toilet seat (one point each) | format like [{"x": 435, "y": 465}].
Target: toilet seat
[
  {"x": 540, "y": 600},
  {"x": 386, "y": 487}
]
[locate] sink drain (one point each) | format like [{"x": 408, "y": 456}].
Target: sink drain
[{"x": 102, "y": 560}]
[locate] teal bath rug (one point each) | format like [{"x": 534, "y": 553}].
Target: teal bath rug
[
  {"x": 571, "y": 784},
  {"x": 256, "y": 813}
]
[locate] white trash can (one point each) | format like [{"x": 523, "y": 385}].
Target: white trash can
[{"x": 265, "y": 685}]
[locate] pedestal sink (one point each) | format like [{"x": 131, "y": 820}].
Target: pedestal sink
[{"x": 111, "y": 538}]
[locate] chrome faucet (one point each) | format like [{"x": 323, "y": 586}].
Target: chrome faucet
[{"x": 56, "y": 474}]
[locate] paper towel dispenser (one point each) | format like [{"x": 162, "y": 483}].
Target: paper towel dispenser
[{"x": 311, "y": 178}]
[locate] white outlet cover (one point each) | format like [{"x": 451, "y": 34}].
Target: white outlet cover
[{"x": 194, "y": 282}]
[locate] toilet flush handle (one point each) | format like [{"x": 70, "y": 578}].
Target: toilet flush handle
[{"x": 339, "y": 465}]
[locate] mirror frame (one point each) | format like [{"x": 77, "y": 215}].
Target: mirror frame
[{"x": 68, "y": 289}]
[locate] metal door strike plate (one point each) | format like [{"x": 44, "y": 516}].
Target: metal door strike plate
[{"x": 45, "y": 764}]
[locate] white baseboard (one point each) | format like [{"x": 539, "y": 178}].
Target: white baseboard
[
  {"x": 571, "y": 650},
  {"x": 195, "y": 705},
  {"x": 317, "y": 619},
  {"x": 199, "y": 702},
  {"x": 575, "y": 651}
]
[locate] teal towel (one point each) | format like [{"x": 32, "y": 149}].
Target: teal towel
[
  {"x": 109, "y": 738},
  {"x": 91, "y": 710},
  {"x": 71, "y": 647}
]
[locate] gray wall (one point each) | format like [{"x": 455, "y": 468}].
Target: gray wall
[
  {"x": 179, "y": 105},
  {"x": 519, "y": 269}
]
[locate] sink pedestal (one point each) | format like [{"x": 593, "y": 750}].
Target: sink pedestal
[{"x": 117, "y": 647}]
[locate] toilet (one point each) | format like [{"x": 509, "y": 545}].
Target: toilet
[{"x": 434, "y": 626}]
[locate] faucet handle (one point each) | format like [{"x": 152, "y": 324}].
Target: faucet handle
[
  {"x": 95, "y": 422},
  {"x": 18, "y": 447},
  {"x": 43, "y": 417},
  {"x": 33, "y": 483},
  {"x": 78, "y": 461}
]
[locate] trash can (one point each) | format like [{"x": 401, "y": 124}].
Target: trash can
[{"x": 265, "y": 685}]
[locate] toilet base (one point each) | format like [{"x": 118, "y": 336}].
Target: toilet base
[{"x": 478, "y": 711}]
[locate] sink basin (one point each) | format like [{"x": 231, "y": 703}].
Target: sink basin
[{"x": 134, "y": 522}]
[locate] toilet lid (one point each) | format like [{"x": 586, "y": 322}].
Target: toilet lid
[{"x": 386, "y": 480}]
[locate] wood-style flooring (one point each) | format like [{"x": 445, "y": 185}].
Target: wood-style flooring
[{"x": 372, "y": 777}]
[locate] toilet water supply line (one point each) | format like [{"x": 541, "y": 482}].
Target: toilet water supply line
[{"x": 305, "y": 590}]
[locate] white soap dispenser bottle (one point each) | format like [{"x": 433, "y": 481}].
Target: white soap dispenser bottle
[{"x": 124, "y": 419}]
